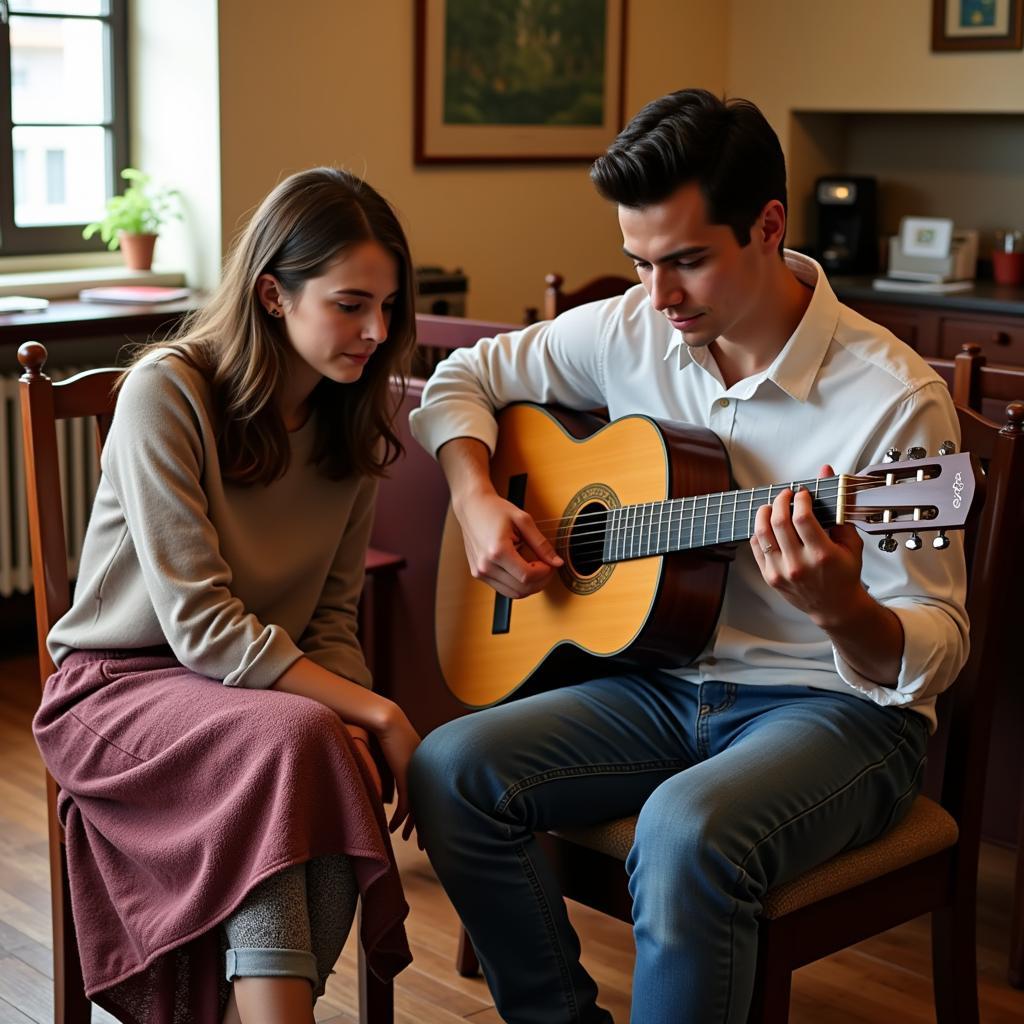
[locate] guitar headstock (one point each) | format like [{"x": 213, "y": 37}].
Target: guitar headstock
[{"x": 919, "y": 492}]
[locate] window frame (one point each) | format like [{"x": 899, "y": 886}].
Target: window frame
[{"x": 63, "y": 238}]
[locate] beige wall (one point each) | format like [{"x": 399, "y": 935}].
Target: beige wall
[
  {"x": 867, "y": 55},
  {"x": 333, "y": 83},
  {"x": 174, "y": 129}
]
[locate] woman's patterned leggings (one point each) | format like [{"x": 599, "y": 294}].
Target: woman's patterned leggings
[{"x": 294, "y": 923}]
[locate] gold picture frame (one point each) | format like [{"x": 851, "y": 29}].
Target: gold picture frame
[{"x": 507, "y": 82}]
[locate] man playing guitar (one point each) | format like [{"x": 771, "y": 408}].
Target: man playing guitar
[{"x": 800, "y": 730}]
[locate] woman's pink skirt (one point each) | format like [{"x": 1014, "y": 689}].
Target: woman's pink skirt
[{"x": 178, "y": 795}]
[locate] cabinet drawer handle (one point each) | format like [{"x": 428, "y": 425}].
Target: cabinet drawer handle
[{"x": 1001, "y": 338}]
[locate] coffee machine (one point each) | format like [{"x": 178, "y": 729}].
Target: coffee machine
[{"x": 847, "y": 224}]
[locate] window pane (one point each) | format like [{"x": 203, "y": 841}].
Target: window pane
[
  {"x": 57, "y": 70},
  {"x": 61, "y": 6},
  {"x": 60, "y": 175}
]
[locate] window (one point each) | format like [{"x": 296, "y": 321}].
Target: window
[{"x": 63, "y": 119}]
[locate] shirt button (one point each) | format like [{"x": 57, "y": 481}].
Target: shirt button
[{"x": 724, "y": 403}]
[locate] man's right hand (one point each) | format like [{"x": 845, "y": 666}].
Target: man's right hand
[{"x": 504, "y": 546}]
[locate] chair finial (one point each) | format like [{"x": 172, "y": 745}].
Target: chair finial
[
  {"x": 1014, "y": 419},
  {"x": 32, "y": 356}
]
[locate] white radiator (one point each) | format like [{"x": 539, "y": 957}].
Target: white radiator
[{"x": 79, "y": 473}]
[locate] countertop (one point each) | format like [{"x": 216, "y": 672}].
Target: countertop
[{"x": 984, "y": 297}]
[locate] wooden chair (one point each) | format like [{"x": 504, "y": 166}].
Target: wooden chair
[
  {"x": 417, "y": 487},
  {"x": 91, "y": 394},
  {"x": 987, "y": 389},
  {"x": 557, "y": 301}
]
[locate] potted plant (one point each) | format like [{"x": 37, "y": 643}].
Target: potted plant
[{"x": 134, "y": 218}]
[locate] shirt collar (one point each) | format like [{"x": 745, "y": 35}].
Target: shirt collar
[{"x": 796, "y": 366}]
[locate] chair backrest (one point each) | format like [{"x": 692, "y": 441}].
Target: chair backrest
[
  {"x": 558, "y": 301},
  {"x": 983, "y": 387},
  {"x": 43, "y": 403},
  {"x": 411, "y": 507},
  {"x": 436, "y": 336},
  {"x": 993, "y": 547}
]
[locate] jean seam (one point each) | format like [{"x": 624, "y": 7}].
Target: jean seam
[
  {"x": 582, "y": 771},
  {"x": 874, "y": 766},
  {"x": 549, "y": 925}
]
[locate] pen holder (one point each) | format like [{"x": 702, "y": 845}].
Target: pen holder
[{"x": 1008, "y": 267}]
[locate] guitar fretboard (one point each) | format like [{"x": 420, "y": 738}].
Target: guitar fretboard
[{"x": 682, "y": 524}]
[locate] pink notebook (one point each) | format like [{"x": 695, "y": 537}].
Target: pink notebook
[{"x": 133, "y": 293}]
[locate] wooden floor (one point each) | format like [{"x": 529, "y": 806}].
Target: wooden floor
[{"x": 880, "y": 981}]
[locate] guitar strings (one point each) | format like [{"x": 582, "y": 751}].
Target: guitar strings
[
  {"x": 854, "y": 485},
  {"x": 596, "y": 545},
  {"x": 627, "y": 533}
]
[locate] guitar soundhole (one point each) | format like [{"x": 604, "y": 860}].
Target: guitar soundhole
[
  {"x": 586, "y": 540},
  {"x": 581, "y": 538}
]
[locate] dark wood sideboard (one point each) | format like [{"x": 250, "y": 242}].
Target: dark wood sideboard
[{"x": 988, "y": 315}]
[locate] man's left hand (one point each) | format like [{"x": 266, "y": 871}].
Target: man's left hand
[{"x": 816, "y": 571}]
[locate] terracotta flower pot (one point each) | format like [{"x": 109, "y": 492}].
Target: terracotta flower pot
[{"x": 137, "y": 250}]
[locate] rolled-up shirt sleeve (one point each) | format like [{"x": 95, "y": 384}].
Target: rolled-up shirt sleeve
[
  {"x": 925, "y": 589},
  {"x": 153, "y": 459},
  {"x": 557, "y": 362}
]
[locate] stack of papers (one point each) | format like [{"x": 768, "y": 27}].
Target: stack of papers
[
  {"x": 895, "y": 284},
  {"x": 21, "y": 304}
]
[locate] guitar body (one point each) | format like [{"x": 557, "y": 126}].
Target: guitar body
[{"x": 592, "y": 618}]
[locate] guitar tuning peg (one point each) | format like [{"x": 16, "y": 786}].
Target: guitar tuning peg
[
  {"x": 892, "y": 455},
  {"x": 913, "y": 542},
  {"x": 947, "y": 448},
  {"x": 888, "y": 543},
  {"x": 941, "y": 541},
  {"x": 916, "y": 453}
]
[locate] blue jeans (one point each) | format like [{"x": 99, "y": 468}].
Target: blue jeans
[{"x": 738, "y": 789}]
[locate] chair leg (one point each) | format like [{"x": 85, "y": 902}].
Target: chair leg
[
  {"x": 466, "y": 962},
  {"x": 954, "y": 963},
  {"x": 70, "y": 1005},
  {"x": 774, "y": 978},
  {"x": 376, "y": 997},
  {"x": 1016, "y": 972},
  {"x": 770, "y": 1003}
]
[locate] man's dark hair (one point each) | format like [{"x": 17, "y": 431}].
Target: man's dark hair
[{"x": 726, "y": 146}]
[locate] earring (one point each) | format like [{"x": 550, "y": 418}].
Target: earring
[{"x": 274, "y": 312}]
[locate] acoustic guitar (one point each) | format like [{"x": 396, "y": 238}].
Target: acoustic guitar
[{"x": 643, "y": 515}]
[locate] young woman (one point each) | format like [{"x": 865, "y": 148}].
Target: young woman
[{"x": 209, "y": 719}]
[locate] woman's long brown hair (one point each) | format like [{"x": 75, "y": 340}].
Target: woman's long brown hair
[{"x": 305, "y": 224}]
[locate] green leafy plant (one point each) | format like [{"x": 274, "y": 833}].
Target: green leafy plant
[{"x": 140, "y": 210}]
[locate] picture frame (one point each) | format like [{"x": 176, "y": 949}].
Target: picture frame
[
  {"x": 483, "y": 95},
  {"x": 959, "y": 25},
  {"x": 926, "y": 236}
]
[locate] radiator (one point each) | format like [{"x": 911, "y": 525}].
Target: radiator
[{"x": 79, "y": 474}]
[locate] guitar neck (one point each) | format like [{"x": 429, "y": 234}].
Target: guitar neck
[{"x": 685, "y": 524}]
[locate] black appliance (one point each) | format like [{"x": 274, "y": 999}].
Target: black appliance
[{"x": 847, "y": 224}]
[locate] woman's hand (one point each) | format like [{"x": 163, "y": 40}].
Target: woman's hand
[
  {"x": 399, "y": 740},
  {"x": 361, "y": 742}
]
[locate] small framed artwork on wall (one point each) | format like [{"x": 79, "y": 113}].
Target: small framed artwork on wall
[
  {"x": 518, "y": 80},
  {"x": 977, "y": 24}
]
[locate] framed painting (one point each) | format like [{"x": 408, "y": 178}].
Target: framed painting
[
  {"x": 518, "y": 80},
  {"x": 977, "y": 24}
]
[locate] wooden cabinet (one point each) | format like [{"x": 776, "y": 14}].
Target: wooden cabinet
[
  {"x": 1001, "y": 341},
  {"x": 904, "y": 323},
  {"x": 942, "y": 327}
]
